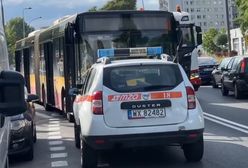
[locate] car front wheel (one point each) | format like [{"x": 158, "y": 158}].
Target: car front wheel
[
  {"x": 88, "y": 155},
  {"x": 237, "y": 93},
  {"x": 224, "y": 91},
  {"x": 193, "y": 152}
]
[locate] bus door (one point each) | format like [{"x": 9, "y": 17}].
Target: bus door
[
  {"x": 48, "y": 53},
  {"x": 26, "y": 62},
  {"x": 69, "y": 64},
  {"x": 18, "y": 61}
]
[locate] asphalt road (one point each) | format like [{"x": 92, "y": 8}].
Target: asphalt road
[{"x": 226, "y": 141}]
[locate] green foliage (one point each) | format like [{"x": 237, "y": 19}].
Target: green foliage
[
  {"x": 221, "y": 40},
  {"x": 93, "y": 9},
  {"x": 208, "y": 41},
  {"x": 117, "y": 5},
  {"x": 242, "y": 14},
  {"x": 14, "y": 32}
]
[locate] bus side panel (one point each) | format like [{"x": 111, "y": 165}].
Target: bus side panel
[
  {"x": 32, "y": 71},
  {"x": 37, "y": 66},
  {"x": 58, "y": 69},
  {"x": 42, "y": 76}
]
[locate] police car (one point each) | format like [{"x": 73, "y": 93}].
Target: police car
[{"x": 131, "y": 99}]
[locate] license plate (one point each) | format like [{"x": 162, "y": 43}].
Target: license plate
[
  {"x": 146, "y": 113},
  {"x": 208, "y": 69}
]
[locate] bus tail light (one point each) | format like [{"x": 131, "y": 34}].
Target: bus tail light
[
  {"x": 97, "y": 106},
  {"x": 243, "y": 66},
  {"x": 191, "y": 97}
]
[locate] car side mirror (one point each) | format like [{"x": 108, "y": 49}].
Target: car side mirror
[
  {"x": 74, "y": 91},
  {"x": 32, "y": 98},
  {"x": 12, "y": 95}
]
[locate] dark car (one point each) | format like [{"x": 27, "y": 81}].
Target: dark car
[
  {"x": 23, "y": 132},
  {"x": 235, "y": 77},
  {"x": 206, "y": 66},
  {"x": 217, "y": 72}
]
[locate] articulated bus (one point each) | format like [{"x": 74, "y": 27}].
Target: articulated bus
[{"x": 55, "y": 59}]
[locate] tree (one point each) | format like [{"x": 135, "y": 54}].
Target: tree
[
  {"x": 208, "y": 41},
  {"x": 117, "y": 5},
  {"x": 242, "y": 14},
  {"x": 221, "y": 40},
  {"x": 14, "y": 32}
]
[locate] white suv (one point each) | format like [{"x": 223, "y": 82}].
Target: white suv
[{"x": 137, "y": 102}]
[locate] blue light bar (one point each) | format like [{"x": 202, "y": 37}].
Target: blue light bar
[
  {"x": 133, "y": 52},
  {"x": 106, "y": 53},
  {"x": 154, "y": 50}
]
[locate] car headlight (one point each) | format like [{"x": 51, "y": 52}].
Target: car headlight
[{"x": 17, "y": 122}]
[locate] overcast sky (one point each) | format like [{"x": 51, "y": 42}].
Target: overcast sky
[{"x": 51, "y": 10}]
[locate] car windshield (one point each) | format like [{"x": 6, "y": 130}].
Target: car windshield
[
  {"x": 206, "y": 61},
  {"x": 142, "y": 78}
]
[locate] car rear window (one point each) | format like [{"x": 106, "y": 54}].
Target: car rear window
[{"x": 142, "y": 78}]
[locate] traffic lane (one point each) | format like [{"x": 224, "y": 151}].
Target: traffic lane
[
  {"x": 224, "y": 148},
  {"x": 49, "y": 124},
  {"x": 226, "y": 107}
]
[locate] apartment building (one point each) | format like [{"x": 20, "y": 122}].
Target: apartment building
[{"x": 205, "y": 13}]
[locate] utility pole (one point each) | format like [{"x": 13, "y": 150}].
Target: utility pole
[
  {"x": 143, "y": 4},
  {"x": 228, "y": 27},
  {"x": 23, "y": 21},
  {"x": 2, "y": 13}
]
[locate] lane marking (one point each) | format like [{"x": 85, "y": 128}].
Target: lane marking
[
  {"x": 226, "y": 121},
  {"x": 54, "y": 129},
  {"x": 54, "y": 133},
  {"x": 227, "y": 125},
  {"x": 59, "y": 148},
  {"x": 60, "y": 164},
  {"x": 54, "y": 122},
  {"x": 51, "y": 143},
  {"x": 55, "y": 137},
  {"x": 53, "y": 125},
  {"x": 58, "y": 155}
]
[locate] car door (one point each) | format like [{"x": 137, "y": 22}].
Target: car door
[
  {"x": 226, "y": 79},
  {"x": 4, "y": 138},
  {"x": 218, "y": 71}
]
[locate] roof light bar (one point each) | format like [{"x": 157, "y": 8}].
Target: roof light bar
[{"x": 133, "y": 52}]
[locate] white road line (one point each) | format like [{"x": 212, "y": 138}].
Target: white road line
[
  {"x": 55, "y": 137},
  {"x": 54, "y": 133},
  {"x": 227, "y": 125},
  {"x": 54, "y": 122},
  {"x": 60, "y": 164},
  {"x": 59, "y": 148},
  {"x": 53, "y": 125},
  {"x": 54, "y": 129},
  {"x": 58, "y": 155},
  {"x": 53, "y": 119},
  {"x": 226, "y": 121},
  {"x": 55, "y": 143}
]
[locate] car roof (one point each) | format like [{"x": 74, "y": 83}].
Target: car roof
[{"x": 135, "y": 62}]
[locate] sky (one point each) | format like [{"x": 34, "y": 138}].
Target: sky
[{"x": 50, "y": 10}]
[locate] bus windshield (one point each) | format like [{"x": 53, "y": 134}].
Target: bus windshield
[{"x": 127, "y": 31}]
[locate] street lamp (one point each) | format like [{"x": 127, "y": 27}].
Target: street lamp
[
  {"x": 34, "y": 19},
  {"x": 23, "y": 21},
  {"x": 2, "y": 12},
  {"x": 143, "y": 4}
]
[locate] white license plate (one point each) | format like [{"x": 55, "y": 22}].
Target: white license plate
[
  {"x": 208, "y": 69},
  {"x": 146, "y": 113}
]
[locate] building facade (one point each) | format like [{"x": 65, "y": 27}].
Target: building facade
[
  {"x": 238, "y": 42},
  {"x": 205, "y": 13}
]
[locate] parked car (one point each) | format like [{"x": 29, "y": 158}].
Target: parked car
[
  {"x": 217, "y": 72},
  {"x": 235, "y": 77},
  {"x": 11, "y": 97},
  {"x": 23, "y": 132},
  {"x": 134, "y": 102},
  {"x": 206, "y": 66}
]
